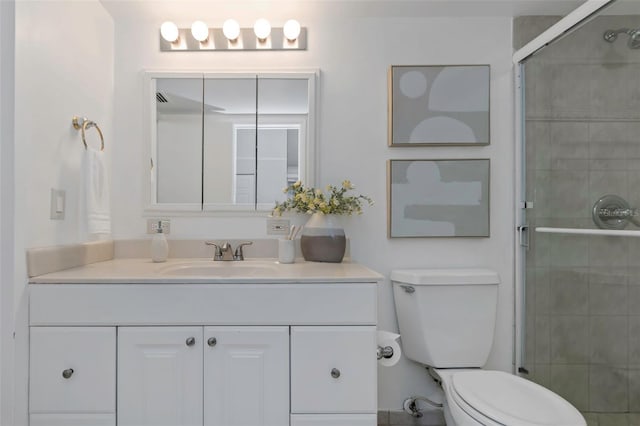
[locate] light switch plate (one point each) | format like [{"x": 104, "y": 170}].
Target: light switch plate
[
  {"x": 277, "y": 226},
  {"x": 152, "y": 226},
  {"x": 58, "y": 204}
]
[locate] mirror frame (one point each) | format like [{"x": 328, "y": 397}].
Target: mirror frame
[{"x": 308, "y": 152}]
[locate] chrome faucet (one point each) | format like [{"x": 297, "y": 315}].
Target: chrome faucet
[{"x": 225, "y": 251}]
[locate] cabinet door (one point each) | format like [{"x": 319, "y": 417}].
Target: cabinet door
[
  {"x": 334, "y": 419},
  {"x": 333, "y": 369},
  {"x": 160, "y": 376},
  {"x": 246, "y": 373},
  {"x": 72, "y": 370}
]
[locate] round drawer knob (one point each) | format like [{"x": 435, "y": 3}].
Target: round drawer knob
[
  {"x": 191, "y": 341},
  {"x": 335, "y": 373},
  {"x": 67, "y": 373},
  {"x": 212, "y": 341}
]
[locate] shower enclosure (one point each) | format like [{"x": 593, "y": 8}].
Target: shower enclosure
[{"x": 579, "y": 315}]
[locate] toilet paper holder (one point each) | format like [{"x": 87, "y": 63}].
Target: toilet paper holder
[{"x": 384, "y": 352}]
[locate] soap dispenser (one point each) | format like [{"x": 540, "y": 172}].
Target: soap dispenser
[{"x": 159, "y": 245}]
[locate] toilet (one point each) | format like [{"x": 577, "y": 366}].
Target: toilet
[{"x": 447, "y": 320}]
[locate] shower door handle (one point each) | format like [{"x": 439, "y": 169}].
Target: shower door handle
[{"x": 523, "y": 234}]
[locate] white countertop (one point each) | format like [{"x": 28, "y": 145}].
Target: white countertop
[{"x": 140, "y": 271}]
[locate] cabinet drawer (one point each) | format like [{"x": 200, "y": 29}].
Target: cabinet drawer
[
  {"x": 334, "y": 419},
  {"x": 72, "y": 370},
  {"x": 333, "y": 369}
]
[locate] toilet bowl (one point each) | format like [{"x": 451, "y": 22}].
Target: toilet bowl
[
  {"x": 496, "y": 398},
  {"x": 447, "y": 320}
]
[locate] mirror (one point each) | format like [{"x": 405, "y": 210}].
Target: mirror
[{"x": 229, "y": 142}]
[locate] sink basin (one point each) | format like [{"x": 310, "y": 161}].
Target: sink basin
[{"x": 220, "y": 269}]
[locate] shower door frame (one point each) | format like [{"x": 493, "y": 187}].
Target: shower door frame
[{"x": 583, "y": 14}]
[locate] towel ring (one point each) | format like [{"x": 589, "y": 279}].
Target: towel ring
[{"x": 87, "y": 124}]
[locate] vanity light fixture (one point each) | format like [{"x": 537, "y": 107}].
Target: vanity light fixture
[
  {"x": 231, "y": 29},
  {"x": 291, "y": 30},
  {"x": 200, "y": 31},
  {"x": 169, "y": 32},
  {"x": 262, "y": 29},
  {"x": 232, "y": 37}
]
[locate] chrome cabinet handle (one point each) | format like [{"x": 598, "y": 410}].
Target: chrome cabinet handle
[
  {"x": 191, "y": 341},
  {"x": 212, "y": 341},
  {"x": 67, "y": 373},
  {"x": 335, "y": 373}
]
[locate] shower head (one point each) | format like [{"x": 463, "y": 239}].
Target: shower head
[{"x": 634, "y": 36}]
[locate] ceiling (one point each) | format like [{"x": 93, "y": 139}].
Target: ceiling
[{"x": 159, "y": 9}]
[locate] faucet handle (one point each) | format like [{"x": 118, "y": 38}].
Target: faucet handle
[
  {"x": 218, "y": 251},
  {"x": 239, "y": 254}
]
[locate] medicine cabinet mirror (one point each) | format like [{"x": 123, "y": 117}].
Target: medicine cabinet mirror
[{"x": 228, "y": 141}]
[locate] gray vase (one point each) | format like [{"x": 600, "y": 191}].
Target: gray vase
[{"x": 323, "y": 240}]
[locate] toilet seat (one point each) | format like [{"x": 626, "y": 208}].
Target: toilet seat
[{"x": 498, "y": 398}]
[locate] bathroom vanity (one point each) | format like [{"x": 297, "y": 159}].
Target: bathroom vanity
[{"x": 194, "y": 343}]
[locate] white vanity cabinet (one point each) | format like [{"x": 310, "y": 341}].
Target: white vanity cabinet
[
  {"x": 159, "y": 376},
  {"x": 211, "y": 354},
  {"x": 72, "y": 380},
  {"x": 190, "y": 376},
  {"x": 246, "y": 376}
]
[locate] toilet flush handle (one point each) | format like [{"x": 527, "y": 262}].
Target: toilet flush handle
[{"x": 408, "y": 289}]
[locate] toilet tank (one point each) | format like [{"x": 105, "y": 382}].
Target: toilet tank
[{"x": 447, "y": 317}]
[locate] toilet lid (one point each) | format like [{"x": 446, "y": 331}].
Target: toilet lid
[{"x": 511, "y": 400}]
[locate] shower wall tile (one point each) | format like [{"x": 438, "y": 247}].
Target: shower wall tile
[
  {"x": 568, "y": 251},
  {"x": 633, "y": 178},
  {"x": 543, "y": 345},
  {"x": 613, "y": 419},
  {"x": 537, "y": 145},
  {"x": 542, "y": 289},
  {"x": 607, "y": 164},
  {"x": 526, "y": 28},
  {"x": 537, "y": 90},
  {"x": 568, "y": 132},
  {"x": 541, "y": 374},
  {"x": 609, "y": 339},
  {"x": 569, "y": 193},
  {"x": 607, "y": 182},
  {"x": 608, "y": 389},
  {"x": 608, "y": 299},
  {"x": 539, "y": 191},
  {"x": 614, "y": 91},
  {"x": 608, "y": 251},
  {"x": 634, "y": 341},
  {"x": 633, "y": 300},
  {"x": 634, "y": 390},
  {"x": 608, "y": 275},
  {"x": 572, "y": 383},
  {"x": 569, "y": 292},
  {"x": 608, "y": 132},
  {"x": 569, "y": 337},
  {"x": 570, "y": 94}
]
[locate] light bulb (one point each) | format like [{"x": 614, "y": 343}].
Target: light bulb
[
  {"x": 231, "y": 29},
  {"x": 200, "y": 31},
  {"x": 291, "y": 29},
  {"x": 169, "y": 31},
  {"x": 262, "y": 28}
]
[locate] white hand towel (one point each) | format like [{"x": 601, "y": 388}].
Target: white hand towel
[{"x": 97, "y": 192}]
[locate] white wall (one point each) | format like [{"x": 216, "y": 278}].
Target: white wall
[
  {"x": 63, "y": 67},
  {"x": 7, "y": 38},
  {"x": 353, "y": 53}
]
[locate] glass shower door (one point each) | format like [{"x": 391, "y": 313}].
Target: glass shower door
[{"x": 581, "y": 321}]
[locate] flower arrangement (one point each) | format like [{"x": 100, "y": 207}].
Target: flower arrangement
[{"x": 313, "y": 200}]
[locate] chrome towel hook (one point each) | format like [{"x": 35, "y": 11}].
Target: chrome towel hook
[{"x": 83, "y": 124}]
